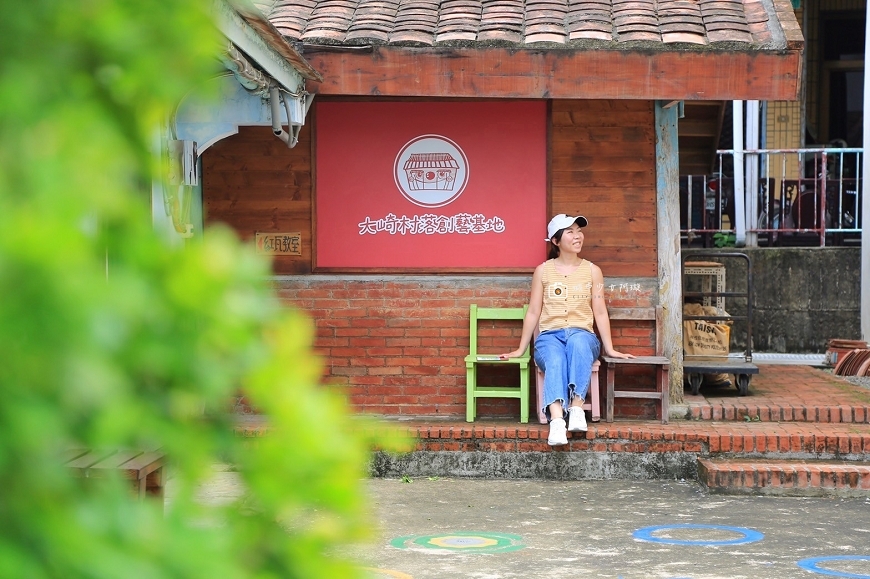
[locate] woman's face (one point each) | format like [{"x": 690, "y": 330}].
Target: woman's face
[{"x": 571, "y": 240}]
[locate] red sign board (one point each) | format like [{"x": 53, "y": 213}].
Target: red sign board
[{"x": 431, "y": 185}]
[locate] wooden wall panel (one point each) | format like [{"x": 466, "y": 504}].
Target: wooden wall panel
[
  {"x": 602, "y": 165},
  {"x": 254, "y": 183}
]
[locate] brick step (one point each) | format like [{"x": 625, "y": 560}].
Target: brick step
[
  {"x": 745, "y": 410},
  {"x": 702, "y": 438},
  {"x": 622, "y": 449},
  {"x": 785, "y": 477},
  {"x": 851, "y": 441}
]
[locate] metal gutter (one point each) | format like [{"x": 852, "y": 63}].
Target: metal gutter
[{"x": 246, "y": 73}]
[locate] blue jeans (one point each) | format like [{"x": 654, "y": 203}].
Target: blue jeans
[{"x": 566, "y": 358}]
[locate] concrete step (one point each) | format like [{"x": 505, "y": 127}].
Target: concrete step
[
  {"x": 785, "y": 477},
  {"x": 623, "y": 449}
]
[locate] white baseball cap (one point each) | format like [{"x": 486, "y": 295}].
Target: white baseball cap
[{"x": 562, "y": 221}]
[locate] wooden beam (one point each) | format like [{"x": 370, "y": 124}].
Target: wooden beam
[{"x": 572, "y": 74}]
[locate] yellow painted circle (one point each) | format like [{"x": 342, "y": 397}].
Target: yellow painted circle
[
  {"x": 460, "y": 542},
  {"x": 388, "y": 573}
]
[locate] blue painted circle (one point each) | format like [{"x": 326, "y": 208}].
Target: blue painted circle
[
  {"x": 812, "y": 565},
  {"x": 748, "y": 535}
]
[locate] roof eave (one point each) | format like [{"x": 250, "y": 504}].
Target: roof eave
[
  {"x": 252, "y": 33},
  {"x": 499, "y": 72}
]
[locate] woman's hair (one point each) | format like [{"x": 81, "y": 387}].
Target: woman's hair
[{"x": 554, "y": 247}]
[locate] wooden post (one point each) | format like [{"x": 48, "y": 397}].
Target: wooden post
[{"x": 668, "y": 230}]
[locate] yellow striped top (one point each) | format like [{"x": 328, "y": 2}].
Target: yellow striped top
[{"x": 567, "y": 298}]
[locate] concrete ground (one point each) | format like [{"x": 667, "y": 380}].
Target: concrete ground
[{"x": 486, "y": 529}]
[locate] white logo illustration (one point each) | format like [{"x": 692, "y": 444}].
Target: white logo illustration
[
  {"x": 558, "y": 289},
  {"x": 431, "y": 171}
]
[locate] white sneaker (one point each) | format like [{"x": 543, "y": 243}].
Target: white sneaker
[
  {"x": 576, "y": 419},
  {"x": 558, "y": 435}
]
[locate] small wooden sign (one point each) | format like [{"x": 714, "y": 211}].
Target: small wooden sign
[{"x": 279, "y": 243}]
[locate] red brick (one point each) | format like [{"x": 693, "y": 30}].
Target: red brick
[
  {"x": 771, "y": 442},
  {"x": 802, "y": 478},
  {"x": 790, "y": 477},
  {"x": 384, "y": 371},
  {"x": 402, "y": 322},
  {"x": 352, "y": 332},
  {"x": 339, "y": 371},
  {"x": 843, "y": 444},
  {"x": 425, "y": 332},
  {"x": 330, "y": 342},
  {"x": 333, "y": 322},
  {"x": 824, "y": 414}
]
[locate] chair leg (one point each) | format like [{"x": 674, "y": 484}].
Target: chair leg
[
  {"x": 524, "y": 395},
  {"x": 611, "y": 370},
  {"x": 539, "y": 395},
  {"x": 664, "y": 379},
  {"x": 470, "y": 400},
  {"x": 594, "y": 393}
]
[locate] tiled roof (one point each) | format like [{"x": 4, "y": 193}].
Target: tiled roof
[{"x": 541, "y": 23}]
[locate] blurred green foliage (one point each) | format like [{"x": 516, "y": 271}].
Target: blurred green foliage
[
  {"x": 724, "y": 239},
  {"x": 111, "y": 338}
]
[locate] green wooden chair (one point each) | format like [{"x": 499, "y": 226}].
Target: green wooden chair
[{"x": 474, "y": 360}]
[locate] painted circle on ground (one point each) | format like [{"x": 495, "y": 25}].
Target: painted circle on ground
[
  {"x": 458, "y": 542},
  {"x": 812, "y": 565},
  {"x": 470, "y": 542},
  {"x": 387, "y": 573},
  {"x": 746, "y": 535}
]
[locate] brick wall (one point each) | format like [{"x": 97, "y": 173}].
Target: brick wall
[{"x": 395, "y": 345}]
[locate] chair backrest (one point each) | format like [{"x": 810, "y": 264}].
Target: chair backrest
[
  {"x": 654, "y": 314},
  {"x": 491, "y": 314}
]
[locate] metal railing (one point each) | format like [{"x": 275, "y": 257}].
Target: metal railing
[{"x": 806, "y": 196}]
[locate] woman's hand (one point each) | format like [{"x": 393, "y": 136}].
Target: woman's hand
[
  {"x": 514, "y": 354},
  {"x": 615, "y": 354}
]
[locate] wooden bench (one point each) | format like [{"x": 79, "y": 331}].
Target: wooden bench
[
  {"x": 143, "y": 468},
  {"x": 661, "y": 364}
]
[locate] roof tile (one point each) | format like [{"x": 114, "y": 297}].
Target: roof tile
[
  {"x": 674, "y": 37},
  {"x": 499, "y": 35},
  {"x": 429, "y": 22}
]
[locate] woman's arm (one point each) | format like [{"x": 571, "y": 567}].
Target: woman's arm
[
  {"x": 533, "y": 315},
  {"x": 599, "y": 312}
]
